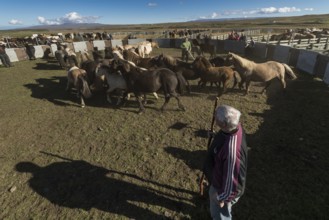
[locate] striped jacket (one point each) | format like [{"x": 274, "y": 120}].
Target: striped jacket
[{"x": 230, "y": 164}]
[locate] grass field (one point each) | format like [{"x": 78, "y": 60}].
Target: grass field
[{"x": 60, "y": 161}]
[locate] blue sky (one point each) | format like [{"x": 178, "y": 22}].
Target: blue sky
[{"x": 32, "y": 12}]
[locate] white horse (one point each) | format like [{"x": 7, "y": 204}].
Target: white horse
[{"x": 145, "y": 48}]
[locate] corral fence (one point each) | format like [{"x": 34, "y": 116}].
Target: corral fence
[{"x": 305, "y": 59}]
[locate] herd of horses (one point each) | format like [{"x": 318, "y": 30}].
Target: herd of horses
[{"x": 126, "y": 72}]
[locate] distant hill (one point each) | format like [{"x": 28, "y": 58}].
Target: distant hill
[{"x": 66, "y": 26}]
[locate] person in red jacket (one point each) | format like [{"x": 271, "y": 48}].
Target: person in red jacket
[{"x": 228, "y": 164}]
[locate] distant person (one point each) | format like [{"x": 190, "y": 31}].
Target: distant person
[
  {"x": 30, "y": 50},
  {"x": 186, "y": 49},
  {"x": 4, "y": 56},
  {"x": 59, "y": 54},
  {"x": 226, "y": 163}
]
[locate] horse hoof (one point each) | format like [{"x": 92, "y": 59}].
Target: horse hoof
[{"x": 82, "y": 106}]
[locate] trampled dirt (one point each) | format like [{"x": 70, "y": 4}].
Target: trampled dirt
[{"x": 60, "y": 161}]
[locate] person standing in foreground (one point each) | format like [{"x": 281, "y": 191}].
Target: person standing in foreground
[
  {"x": 186, "y": 49},
  {"x": 4, "y": 57},
  {"x": 226, "y": 163}
]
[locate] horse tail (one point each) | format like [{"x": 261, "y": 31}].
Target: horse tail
[
  {"x": 181, "y": 82},
  {"x": 289, "y": 71},
  {"x": 85, "y": 90}
]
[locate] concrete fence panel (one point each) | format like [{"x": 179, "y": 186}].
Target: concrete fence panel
[
  {"x": 136, "y": 41},
  {"x": 270, "y": 51},
  {"x": 39, "y": 53},
  {"x": 294, "y": 54},
  {"x": 321, "y": 65},
  {"x": 234, "y": 46},
  {"x": 100, "y": 44},
  {"x": 326, "y": 75},
  {"x": 21, "y": 54},
  {"x": 259, "y": 50},
  {"x": 306, "y": 61},
  {"x": 80, "y": 46},
  {"x": 115, "y": 43},
  {"x": 12, "y": 54},
  {"x": 281, "y": 54},
  {"x": 163, "y": 43}
]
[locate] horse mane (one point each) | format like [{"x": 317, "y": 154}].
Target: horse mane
[
  {"x": 168, "y": 60},
  {"x": 243, "y": 62},
  {"x": 206, "y": 62},
  {"x": 130, "y": 55}
]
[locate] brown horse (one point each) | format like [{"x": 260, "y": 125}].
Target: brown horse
[
  {"x": 221, "y": 75},
  {"x": 132, "y": 56},
  {"x": 76, "y": 78},
  {"x": 141, "y": 81},
  {"x": 177, "y": 65},
  {"x": 260, "y": 72},
  {"x": 205, "y": 48}
]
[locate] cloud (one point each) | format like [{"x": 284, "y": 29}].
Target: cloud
[
  {"x": 15, "y": 22},
  {"x": 152, "y": 4},
  {"x": 253, "y": 12},
  {"x": 308, "y": 9},
  {"x": 72, "y": 17},
  {"x": 214, "y": 15}
]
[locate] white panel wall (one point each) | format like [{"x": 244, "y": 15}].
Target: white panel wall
[
  {"x": 100, "y": 44},
  {"x": 136, "y": 41},
  {"x": 80, "y": 46},
  {"x": 115, "y": 43},
  {"x": 39, "y": 53},
  {"x": 306, "y": 61},
  {"x": 53, "y": 48},
  {"x": 12, "y": 54}
]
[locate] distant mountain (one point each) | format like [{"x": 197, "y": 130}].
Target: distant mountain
[{"x": 65, "y": 26}]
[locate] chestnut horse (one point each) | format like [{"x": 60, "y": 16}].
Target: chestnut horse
[
  {"x": 76, "y": 78},
  {"x": 221, "y": 75},
  {"x": 177, "y": 65},
  {"x": 260, "y": 72}
]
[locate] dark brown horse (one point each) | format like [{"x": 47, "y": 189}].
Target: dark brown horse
[
  {"x": 177, "y": 65},
  {"x": 141, "y": 81},
  {"x": 221, "y": 75},
  {"x": 205, "y": 48}
]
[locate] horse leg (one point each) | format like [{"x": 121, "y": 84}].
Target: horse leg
[
  {"x": 180, "y": 105},
  {"x": 247, "y": 86},
  {"x": 81, "y": 100},
  {"x": 144, "y": 99},
  {"x": 156, "y": 95},
  {"x": 167, "y": 98},
  {"x": 266, "y": 86},
  {"x": 141, "y": 106}
]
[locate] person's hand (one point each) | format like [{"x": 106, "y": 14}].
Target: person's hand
[
  {"x": 221, "y": 204},
  {"x": 211, "y": 133}
]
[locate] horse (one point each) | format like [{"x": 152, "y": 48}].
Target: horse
[
  {"x": 115, "y": 81},
  {"x": 132, "y": 56},
  {"x": 76, "y": 78},
  {"x": 145, "y": 48},
  {"x": 177, "y": 65},
  {"x": 221, "y": 75},
  {"x": 141, "y": 81},
  {"x": 204, "y": 48},
  {"x": 260, "y": 72}
]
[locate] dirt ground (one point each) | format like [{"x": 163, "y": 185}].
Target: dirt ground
[{"x": 60, "y": 161}]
